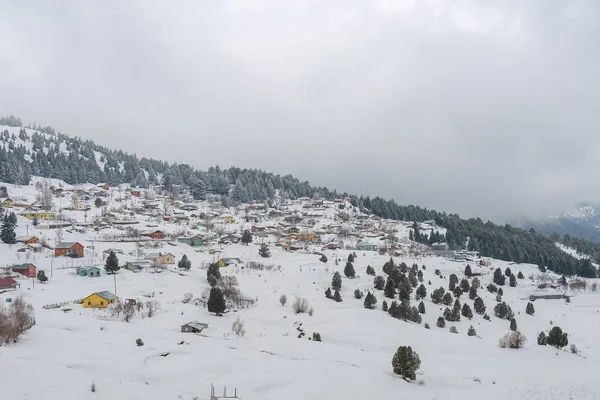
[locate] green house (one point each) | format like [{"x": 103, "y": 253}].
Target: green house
[
  {"x": 366, "y": 246},
  {"x": 88, "y": 271},
  {"x": 194, "y": 241}
]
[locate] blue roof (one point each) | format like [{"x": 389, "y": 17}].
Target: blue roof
[{"x": 23, "y": 266}]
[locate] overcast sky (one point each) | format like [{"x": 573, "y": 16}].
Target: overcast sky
[{"x": 483, "y": 108}]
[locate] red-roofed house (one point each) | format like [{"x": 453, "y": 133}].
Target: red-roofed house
[
  {"x": 8, "y": 283},
  {"x": 27, "y": 269}
]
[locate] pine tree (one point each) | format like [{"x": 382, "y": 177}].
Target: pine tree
[
  {"x": 513, "y": 325},
  {"x": 541, "y": 339},
  {"x": 472, "y": 293},
  {"x": 41, "y": 276},
  {"x": 406, "y": 362},
  {"x": 216, "y": 301},
  {"x": 447, "y": 299},
  {"x": 390, "y": 289},
  {"x": 358, "y": 294},
  {"x": 384, "y": 306},
  {"x": 337, "y": 296},
  {"x": 421, "y": 292},
  {"x": 379, "y": 282},
  {"x": 456, "y": 310},
  {"x": 370, "y": 301},
  {"x": 389, "y": 266},
  {"x": 529, "y": 308},
  {"x": 264, "y": 251},
  {"x": 503, "y": 311},
  {"x": 370, "y": 270},
  {"x": 475, "y": 283},
  {"x": 457, "y": 292},
  {"x": 557, "y": 338},
  {"x": 437, "y": 295},
  {"x": 471, "y": 331},
  {"x": 466, "y": 311},
  {"x": 349, "y": 270},
  {"x": 403, "y": 295},
  {"x": 323, "y": 258},
  {"x": 7, "y": 233},
  {"x": 468, "y": 271},
  {"x": 213, "y": 274},
  {"x": 441, "y": 322},
  {"x": 246, "y": 237},
  {"x": 520, "y": 275},
  {"x": 350, "y": 258},
  {"x": 453, "y": 278},
  {"x": 499, "y": 277},
  {"x": 328, "y": 293},
  {"x": 421, "y": 307},
  {"x": 513, "y": 280},
  {"x": 111, "y": 265},
  {"x": 507, "y": 272},
  {"x": 479, "y": 306},
  {"x": 464, "y": 285},
  {"x": 336, "y": 281},
  {"x": 184, "y": 263}
]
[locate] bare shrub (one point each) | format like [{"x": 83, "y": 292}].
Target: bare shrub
[
  {"x": 283, "y": 300},
  {"x": 128, "y": 311},
  {"x": 187, "y": 298},
  {"x": 512, "y": 340},
  {"x": 115, "y": 309},
  {"x": 151, "y": 308},
  {"x": 300, "y": 305},
  {"x": 594, "y": 287},
  {"x": 229, "y": 287},
  {"x": 15, "y": 319},
  {"x": 574, "y": 349},
  {"x": 579, "y": 285},
  {"x": 311, "y": 311},
  {"x": 453, "y": 329},
  {"x": 93, "y": 387},
  {"x": 238, "y": 327}
]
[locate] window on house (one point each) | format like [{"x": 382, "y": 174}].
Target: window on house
[
  {"x": 89, "y": 303},
  {"x": 101, "y": 303}
]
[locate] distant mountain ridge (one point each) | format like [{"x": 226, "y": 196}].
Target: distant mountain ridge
[{"x": 582, "y": 222}]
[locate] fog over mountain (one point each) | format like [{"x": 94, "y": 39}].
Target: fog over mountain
[{"x": 471, "y": 107}]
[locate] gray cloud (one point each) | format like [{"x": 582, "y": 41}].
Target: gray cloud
[{"x": 482, "y": 109}]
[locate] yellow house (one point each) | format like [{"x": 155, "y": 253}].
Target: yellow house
[
  {"x": 40, "y": 215},
  {"x": 227, "y": 218},
  {"x": 99, "y": 300},
  {"x": 8, "y": 203},
  {"x": 306, "y": 237}
]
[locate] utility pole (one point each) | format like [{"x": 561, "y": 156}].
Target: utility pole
[
  {"x": 115, "y": 279},
  {"x": 51, "y": 268}
]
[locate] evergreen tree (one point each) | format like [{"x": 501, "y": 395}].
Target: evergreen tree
[
  {"x": 384, "y": 306},
  {"x": 541, "y": 339},
  {"x": 379, "y": 282},
  {"x": 213, "y": 274},
  {"x": 421, "y": 307},
  {"x": 441, "y": 322},
  {"x": 328, "y": 293},
  {"x": 403, "y": 294},
  {"x": 457, "y": 292},
  {"x": 456, "y": 310},
  {"x": 464, "y": 285},
  {"x": 437, "y": 295},
  {"x": 406, "y": 362},
  {"x": 246, "y": 237},
  {"x": 184, "y": 263},
  {"x": 415, "y": 315},
  {"x": 513, "y": 280},
  {"x": 412, "y": 278},
  {"x": 41, "y": 276},
  {"x": 370, "y": 301},
  {"x": 529, "y": 308},
  {"x": 475, "y": 283},
  {"x": 111, "y": 266},
  {"x": 390, "y": 289},
  {"x": 472, "y": 293},
  {"x": 520, "y": 275},
  {"x": 349, "y": 270},
  {"x": 492, "y": 288},
  {"x": 421, "y": 292},
  {"x": 389, "y": 266},
  {"x": 264, "y": 251},
  {"x": 471, "y": 331},
  {"x": 337, "y": 296},
  {"x": 336, "y": 281},
  {"x": 499, "y": 277},
  {"x": 323, "y": 258},
  {"x": 453, "y": 278},
  {"x": 370, "y": 270},
  {"x": 7, "y": 233},
  {"x": 350, "y": 258},
  {"x": 468, "y": 271},
  {"x": 503, "y": 311},
  {"x": 358, "y": 294},
  {"x": 479, "y": 306},
  {"x": 466, "y": 311},
  {"x": 403, "y": 311},
  {"x": 507, "y": 272},
  {"x": 513, "y": 325},
  {"x": 447, "y": 299},
  {"x": 98, "y": 202},
  {"x": 557, "y": 338},
  {"x": 498, "y": 297},
  {"x": 216, "y": 301}
]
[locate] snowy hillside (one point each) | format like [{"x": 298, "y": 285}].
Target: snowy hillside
[{"x": 70, "y": 347}]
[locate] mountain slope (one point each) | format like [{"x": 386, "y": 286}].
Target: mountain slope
[{"x": 583, "y": 222}]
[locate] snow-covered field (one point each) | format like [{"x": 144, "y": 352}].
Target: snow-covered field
[{"x": 66, "y": 351}]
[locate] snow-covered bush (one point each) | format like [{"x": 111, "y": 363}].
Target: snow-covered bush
[{"x": 300, "y": 305}]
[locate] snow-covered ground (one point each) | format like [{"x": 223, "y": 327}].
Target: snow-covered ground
[{"x": 66, "y": 351}]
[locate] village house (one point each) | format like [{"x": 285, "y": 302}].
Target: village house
[
  {"x": 8, "y": 283},
  {"x": 70, "y": 249},
  {"x": 161, "y": 258},
  {"x": 104, "y": 186},
  {"x": 199, "y": 302},
  {"x": 80, "y": 206},
  {"x": 88, "y": 271},
  {"x": 136, "y": 193},
  {"x": 224, "y": 262},
  {"x": 366, "y": 246},
  {"x": 439, "y": 246},
  {"x": 27, "y": 269},
  {"x": 154, "y": 234},
  {"x": 8, "y": 203},
  {"x": 229, "y": 219},
  {"x": 99, "y": 300},
  {"x": 136, "y": 266},
  {"x": 231, "y": 238},
  {"x": 194, "y": 327},
  {"x": 28, "y": 239},
  {"x": 45, "y": 215},
  {"x": 194, "y": 241}
]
